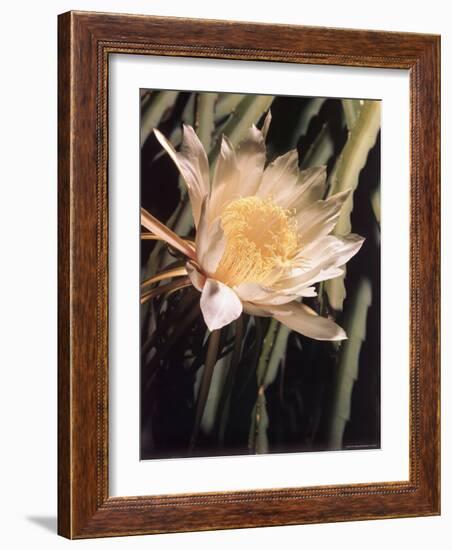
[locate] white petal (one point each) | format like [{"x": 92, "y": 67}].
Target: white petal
[
  {"x": 253, "y": 309},
  {"x": 251, "y": 155},
  {"x": 286, "y": 296},
  {"x": 311, "y": 188},
  {"x": 196, "y": 277},
  {"x": 238, "y": 173},
  {"x": 320, "y": 217},
  {"x": 216, "y": 244},
  {"x": 226, "y": 179},
  {"x": 192, "y": 164},
  {"x": 277, "y": 299},
  {"x": 302, "y": 319},
  {"x": 226, "y": 163},
  {"x": 202, "y": 232},
  {"x": 220, "y": 305},
  {"x": 297, "y": 285},
  {"x": 324, "y": 259},
  {"x": 266, "y": 125},
  {"x": 210, "y": 240},
  {"x": 333, "y": 251},
  {"x": 308, "y": 292},
  {"x": 250, "y": 291},
  {"x": 351, "y": 244},
  {"x": 160, "y": 229},
  {"x": 280, "y": 178},
  {"x": 288, "y": 186},
  {"x": 259, "y": 295}
]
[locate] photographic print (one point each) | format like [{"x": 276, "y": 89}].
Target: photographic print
[
  {"x": 260, "y": 274},
  {"x": 230, "y": 354}
]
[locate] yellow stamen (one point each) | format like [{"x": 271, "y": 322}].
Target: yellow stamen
[{"x": 260, "y": 236}]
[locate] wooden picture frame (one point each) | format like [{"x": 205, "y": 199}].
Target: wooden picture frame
[{"x": 85, "y": 508}]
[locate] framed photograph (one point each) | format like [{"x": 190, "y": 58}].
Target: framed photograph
[{"x": 248, "y": 275}]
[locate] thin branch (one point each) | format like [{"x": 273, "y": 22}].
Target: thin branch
[
  {"x": 175, "y": 285},
  {"x": 158, "y": 228},
  {"x": 167, "y": 274}
]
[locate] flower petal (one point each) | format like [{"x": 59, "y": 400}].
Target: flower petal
[
  {"x": 307, "y": 292},
  {"x": 196, "y": 277},
  {"x": 311, "y": 188},
  {"x": 302, "y": 319},
  {"x": 250, "y": 291},
  {"x": 320, "y": 217},
  {"x": 210, "y": 240},
  {"x": 323, "y": 259},
  {"x": 226, "y": 179},
  {"x": 259, "y": 295},
  {"x": 257, "y": 311},
  {"x": 333, "y": 251},
  {"x": 160, "y": 229},
  {"x": 238, "y": 173},
  {"x": 251, "y": 156},
  {"x": 220, "y": 305},
  {"x": 298, "y": 284},
  {"x": 192, "y": 164},
  {"x": 266, "y": 124},
  {"x": 215, "y": 246},
  {"x": 280, "y": 178}
]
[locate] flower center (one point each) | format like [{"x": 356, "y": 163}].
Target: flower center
[{"x": 260, "y": 236}]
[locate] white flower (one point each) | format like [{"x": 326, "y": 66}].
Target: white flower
[{"x": 263, "y": 234}]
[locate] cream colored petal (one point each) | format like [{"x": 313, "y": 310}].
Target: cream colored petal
[
  {"x": 160, "y": 229},
  {"x": 226, "y": 179},
  {"x": 193, "y": 165},
  {"x": 307, "y": 292},
  {"x": 216, "y": 244},
  {"x": 196, "y": 277},
  {"x": 226, "y": 165},
  {"x": 316, "y": 276},
  {"x": 259, "y": 295},
  {"x": 311, "y": 187},
  {"x": 266, "y": 125},
  {"x": 220, "y": 305},
  {"x": 254, "y": 292},
  {"x": 291, "y": 188},
  {"x": 320, "y": 217},
  {"x": 238, "y": 173},
  {"x": 333, "y": 251},
  {"x": 280, "y": 178},
  {"x": 302, "y": 319},
  {"x": 257, "y": 311},
  {"x": 297, "y": 284},
  {"x": 276, "y": 299},
  {"x": 250, "y": 291},
  {"x": 251, "y": 156},
  {"x": 324, "y": 259},
  {"x": 202, "y": 232},
  {"x": 276, "y": 274},
  {"x": 210, "y": 240}
]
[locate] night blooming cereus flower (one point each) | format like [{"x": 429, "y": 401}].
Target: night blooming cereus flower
[{"x": 263, "y": 234}]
